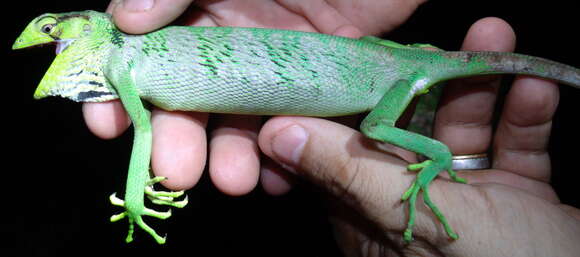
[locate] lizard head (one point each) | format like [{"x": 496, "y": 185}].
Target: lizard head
[
  {"x": 61, "y": 29},
  {"x": 80, "y": 38}
]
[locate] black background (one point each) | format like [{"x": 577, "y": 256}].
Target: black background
[{"x": 57, "y": 177}]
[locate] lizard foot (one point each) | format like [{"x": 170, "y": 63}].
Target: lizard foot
[
  {"x": 428, "y": 170},
  {"x": 135, "y": 214},
  {"x": 136, "y": 217}
]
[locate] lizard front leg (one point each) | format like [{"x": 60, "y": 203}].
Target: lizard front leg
[
  {"x": 379, "y": 125},
  {"x": 139, "y": 182}
]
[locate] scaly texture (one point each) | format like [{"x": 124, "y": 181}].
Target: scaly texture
[{"x": 257, "y": 71}]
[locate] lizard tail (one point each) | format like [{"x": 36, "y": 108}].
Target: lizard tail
[{"x": 512, "y": 63}]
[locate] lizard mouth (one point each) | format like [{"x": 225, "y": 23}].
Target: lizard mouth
[{"x": 62, "y": 45}]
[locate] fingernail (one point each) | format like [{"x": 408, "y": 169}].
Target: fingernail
[
  {"x": 289, "y": 143},
  {"x": 138, "y": 5}
]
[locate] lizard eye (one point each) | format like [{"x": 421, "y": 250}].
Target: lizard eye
[{"x": 47, "y": 28}]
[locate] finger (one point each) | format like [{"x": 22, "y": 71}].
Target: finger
[
  {"x": 234, "y": 157},
  {"x": 257, "y": 14},
  {"x": 275, "y": 180},
  {"x": 112, "y": 6},
  {"x": 523, "y": 132},
  {"x": 328, "y": 16},
  {"x": 325, "y": 18},
  {"x": 467, "y": 105},
  {"x": 339, "y": 160},
  {"x": 106, "y": 120},
  {"x": 142, "y": 16},
  {"x": 348, "y": 31},
  {"x": 179, "y": 147}
]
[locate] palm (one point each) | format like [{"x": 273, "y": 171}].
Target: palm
[{"x": 492, "y": 213}]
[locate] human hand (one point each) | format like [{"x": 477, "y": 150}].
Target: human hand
[
  {"x": 179, "y": 138},
  {"x": 508, "y": 210}
]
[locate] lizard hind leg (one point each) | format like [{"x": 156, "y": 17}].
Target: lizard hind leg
[{"x": 380, "y": 125}]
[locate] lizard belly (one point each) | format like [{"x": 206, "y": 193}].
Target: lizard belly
[
  {"x": 256, "y": 94},
  {"x": 249, "y": 73},
  {"x": 258, "y": 89}
]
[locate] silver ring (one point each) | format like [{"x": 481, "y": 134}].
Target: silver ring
[{"x": 471, "y": 162}]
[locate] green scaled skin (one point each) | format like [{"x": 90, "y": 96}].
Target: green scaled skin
[{"x": 259, "y": 72}]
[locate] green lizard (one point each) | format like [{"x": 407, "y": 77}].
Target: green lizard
[{"x": 260, "y": 72}]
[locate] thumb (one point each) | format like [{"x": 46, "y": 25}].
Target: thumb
[
  {"x": 142, "y": 16},
  {"x": 339, "y": 160}
]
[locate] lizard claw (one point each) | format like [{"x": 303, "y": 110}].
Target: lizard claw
[{"x": 116, "y": 201}]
